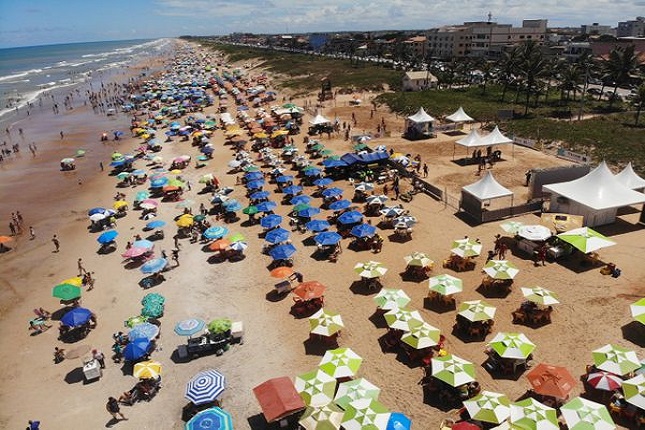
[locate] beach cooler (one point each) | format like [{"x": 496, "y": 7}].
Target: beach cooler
[
  {"x": 92, "y": 370},
  {"x": 237, "y": 332},
  {"x": 283, "y": 287}
]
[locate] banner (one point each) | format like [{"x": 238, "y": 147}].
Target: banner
[{"x": 573, "y": 156}]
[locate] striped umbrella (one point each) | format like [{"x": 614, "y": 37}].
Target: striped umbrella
[
  {"x": 355, "y": 389},
  {"x": 147, "y": 370},
  {"x": 421, "y": 335},
  {"x": 366, "y": 414},
  {"x": 205, "y": 387},
  {"x": 477, "y": 310},
  {"x": 371, "y": 269},
  {"x": 604, "y": 381},
  {"x": 210, "y": 419},
  {"x": 418, "y": 259},
  {"x": 501, "y": 269},
  {"x": 489, "y": 407},
  {"x": 325, "y": 323},
  {"x": 316, "y": 387},
  {"x": 189, "y": 327},
  {"x": 453, "y": 370},
  {"x": 466, "y": 248},
  {"x": 143, "y": 331},
  {"x": 615, "y": 359},
  {"x": 391, "y": 298},
  {"x": 512, "y": 345},
  {"x": 583, "y": 414},
  {"x": 446, "y": 284},
  {"x": 340, "y": 362},
  {"x": 327, "y": 417},
  {"x": 402, "y": 318},
  {"x": 540, "y": 295},
  {"x": 638, "y": 310}
]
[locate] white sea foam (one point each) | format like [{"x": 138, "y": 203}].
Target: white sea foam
[{"x": 20, "y": 74}]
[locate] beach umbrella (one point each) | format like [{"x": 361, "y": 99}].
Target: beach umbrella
[
  {"x": 340, "y": 204},
  {"x": 418, "y": 259},
  {"x": 98, "y": 217},
  {"x": 277, "y": 235},
  {"x": 281, "y": 272},
  {"x": 313, "y": 172},
  {"x": 155, "y": 265},
  {"x": 122, "y": 175},
  {"x": 199, "y": 218},
  {"x": 512, "y": 345},
  {"x": 207, "y": 386},
  {"x": 370, "y": 269},
  {"x": 529, "y": 414},
  {"x": 331, "y": 163},
  {"x": 399, "y": 421},
  {"x": 634, "y": 391},
  {"x": 232, "y": 206},
  {"x": 133, "y": 321},
  {"x": 489, "y": 407},
  {"x": 266, "y": 206},
  {"x": 271, "y": 221},
  {"x": 141, "y": 195},
  {"x": 308, "y": 212},
  {"x": 236, "y": 237},
  {"x": 582, "y": 414},
  {"x": 215, "y": 232},
  {"x": 219, "y": 326},
  {"x": 585, "y": 239},
  {"x": 391, "y": 298},
  {"x": 604, "y": 381},
  {"x": 185, "y": 221},
  {"x": 134, "y": 252},
  {"x": 377, "y": 200},
  {"x": 511, "y": 227},
  {"x": 298, "y": 200},
  {"x": 421, "y": 335},
  {"x": 365, "y": 414},
  {"x": 552, "y": 381},
  {"x": 119, "y": 204},
  {"x": 323, "y": 182},
  {"x": 147, "y": 370},
  {"x": 332, "y": 192},
  {"x": 638, "y": 310},
  {"x": 143, "y": 330},
  {"x": 219, "y": 199},
  {"x": 501, "y": 269},
  {"x": 282, "y": 252},
  {"x": 149, "y": 204},
  {"x": 255, "y": 185},
  {"x": 364, "y": 186},
  {"x": 253, "y": 176},
  {"x": 340, "y": 362},
  {"x": 292, "y": 190},
  {"x": 107, "y": 237},
  {"x": 205, "y": 179},
  {"x": 363, "y": 230},
  {"x": 615, "y": 359},
  {"x": 317, "y": 225},
  {"x": 534, "y": 232},
  {"x": 66, "y": 292},
  {"x": 391, "y": 211},
  {"x": 300, "y": 207},
  {"x": 350, "y": 217},
  {"x": 155, "y": 224},
  {"x": 136, "y": 349},
  {"x": 152, "y": 310},
  {"x": 325, "y": 323},
  {"x": 326, "y": 417},
  {"x": 76, "y": 317},
  {"x": 251, "y": 168},
  {"x": 143, "y": 243},
  {"x": 316, "y": 387},
  {"x": 260, "y": 195},
  {"x": 283, "y": 179},
  {"x": 466, "y": 248},
  {"x": 219, "y": 245},
  {"x": 210, "y": 419},
  {"x": 239, "y": 246},
  {"x": 355, "y": 389},
  {"x": 453, "y": 370},
  {"x": 405, "y": 221},
  {"x": 153, "y": 298},
  {"x": 402, "y": 319},
  {"x": 309, "y": 290},
  {"x": 476, "y": 310},
  {"x": 446, "y": 284},
  {"x": 189, "y": 326},
  {"x": 540, "y": 295},
  {"x": 76, "y": 280}
]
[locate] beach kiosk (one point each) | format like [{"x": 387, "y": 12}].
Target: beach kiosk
[{"x": 477, "y": 198}]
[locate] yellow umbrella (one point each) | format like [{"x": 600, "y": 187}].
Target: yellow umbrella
[
  {"x": 145, "y": 136},
  {"x": 279, "y": 133},
  {"x": 147, "y": 369},
  {"x": 176, "y": 171},
  {"x": 197, "y": 134},
  {"x": 185, "y": 220},
  {"x": 261, "y": 135},
  {"x": 119, "y": 204},
  {"x": 234, "y": 132},
  {"x": 77, "y": 280}
]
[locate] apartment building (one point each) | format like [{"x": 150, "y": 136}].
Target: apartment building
[
  {"x": 449, "y": 42},
  {"x": 489, "y": 38},
  {"x": 635, "y": 28}
]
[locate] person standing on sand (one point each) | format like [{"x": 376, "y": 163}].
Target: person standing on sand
[
  {"x": 81, "y": 269},
  {"x": 32, "y": 233},
  {"x": 114, "y": 409},
  {"x": 33, "y": 425},
  {"x": 56, "y": 243},
  {"x": 62, "y": 135},
  {"x": 12, "y": 227},
  {"x": 101, "y": 165}
]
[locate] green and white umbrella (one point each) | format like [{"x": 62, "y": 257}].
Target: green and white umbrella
[
  {"x": 501, "y": 269},
  {"x": 355, "y": 389},
  {"x": 391, "y": 298},
  {"x": 418, "y": 259},
  {"x": 446, "y": 284},
  {"x": 366, "y": 414},
  {"x": 325, "y": 323},
  {"x": 634, "y": 391},
  {"x": 401, "y": 318},
  {"x": 540, "y": 295},
  {"x": 638, "y": 310},
  {"x": 477, "y": 310},
  {"x": 421, "y": 335},
  {"x": 512, "y": 345},
  {"x": 511, "y": 227},
  {"x": 583, "y": 414},
  {"x": 615, "y": 359},
  {"x": 529, "y": 414},
  {"x": 489, "y": 407},
  {"x": 327, "y": 417},
  {"x": 466, "y": 248},
  {"x": 371, "y": 269},
  {"x": 340, "y": 362},
  {"x": 586, "y": 239},
  {"x": 316, "y": 387},
  {"x": 453, "y": 370}
]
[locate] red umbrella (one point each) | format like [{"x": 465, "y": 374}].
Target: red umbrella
[
  {"x": 465, "y": 425},
  {"x": 282, "y": 272},
  {"x": 605, "y": 381},
  {"x": 309, "y": 290},
  {"x": 553, "y": 381},
  {"x": 278, "y": 398}
]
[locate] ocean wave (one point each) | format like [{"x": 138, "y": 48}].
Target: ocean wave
[
  {"x": 31, "y": 96},
  {"x": 20, "y": 74},
  {"x": 17, "y": 81}
]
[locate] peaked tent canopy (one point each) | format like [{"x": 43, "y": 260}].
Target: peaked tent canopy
[
  {"x": 630, "y": 179},
  {"x": 487, "y": 188},
  {"x": 495, "y": 137},
  {"x": 472, "y": 140},
  {"x": 319, "y": 119},
  {"x": 459, "y": 116},
  {"x": 421, "y": 117}
]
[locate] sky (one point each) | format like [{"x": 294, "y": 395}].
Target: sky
[{"x": 41, "y": 22}]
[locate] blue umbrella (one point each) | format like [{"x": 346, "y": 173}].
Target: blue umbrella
[
  {"x": 340, "y": 204},
  {"x": 317, "y": 225},
  {"x": 332, "y": 192},
  {"x": 143, "y": 331},
  {"x": 267, "y": 206},
  {"x": 350, "y": 217},
  {"x": 138, "y": 172},
  {"x": 313, "y": 172},
  {"x": 118, "y": 163},
  {"x": 170, "y": 133},
  {"x": 141, "y": 195},
  {"x": 292, "y": 190},
  {"x": 255, "y": 185},
  {"x": 154, "y": 266},
  {"x": 260, "y": 195},
  {"x": 206, "y": 386},
  {"x": 107, "y": 236},
  {"x": 76, "y": 317},
  {"x": 302, "y": 199},
  {"x": 159, "y": 182},
  {"x": 277, "y": 235},
  {"x": 143, "y": 243},
  {"x": 215, "y": 232},
  {"x": 95, "y": 211},
  {"x": 155, "y": 224},
  {"x": 271, "y": 221},
  {"x": 207, "y": 150},
  {"x": 323, "y": 182},
  {"x": 327, "y": 238},
  {"x": 398, "y": 421},
  {"x": 282, "y": 252},
  {"x": 331, "y": 163},
  {"x": 136, "y": 349},
  {"x": 189, "y": 327},
  {"x": 118, "y": 133},
  {"x": 252, "y": 176},
  {"x": 211, "y": 419},
  {"x": 284, "y": 179},
  {"x": 309, "y": 212},
  {"x": 231, "y": 202},
  {"x": 363, "y": 230},
  {"x": 233, "y": 207}
]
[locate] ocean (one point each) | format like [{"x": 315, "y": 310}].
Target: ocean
[{"x": 27, "y": 72}]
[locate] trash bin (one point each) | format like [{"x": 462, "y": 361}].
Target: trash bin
[{"x": 92, "y": 370}]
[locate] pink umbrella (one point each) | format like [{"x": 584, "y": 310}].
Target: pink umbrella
[
  {"x": 149, "y": 204},
  {"x": 605, "y": 381},
  {"x": 134, "y": 252}
]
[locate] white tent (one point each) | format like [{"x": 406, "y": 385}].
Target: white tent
[
  {"x": 227, "y": 119},
  {"x": 459, "y": 116},
  {"x": 319, "y": 119},
  {"x": 630, "y": 179},
  {"x": 487, "y": 188},
  {"x": 419, "y": 125},
  {"x": 472, "y": 140},
  {"x": 421, "y": 117},
  {"x": 495, "y": 137},
  {"x": 596, "y": 196}
]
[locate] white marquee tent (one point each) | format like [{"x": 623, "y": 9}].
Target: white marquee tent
[
  {"x": 421, "y": 117},
  {"x": 487, "y": 188},
  {"x": 495, "y": 137},
  {"x": 318, "y": 120},
  {"x": 459, "y": 116},
  {"x": 419, "y": 125},
  {"x": 630, "y": 179},
  {"x": 470, "y": 141}
]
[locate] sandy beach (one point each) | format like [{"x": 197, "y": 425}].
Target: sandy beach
[{"x": 594, "y": 309}]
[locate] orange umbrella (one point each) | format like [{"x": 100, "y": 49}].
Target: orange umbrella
[
  {"x": 550, "y": 380},
  {"x": 309, "y": 290},
  {"x": 282, "y": 272},
  {"x": 219, "y": 245},
  {"x": 5, "y": 239},
  {"x": 169, "y": 188}
]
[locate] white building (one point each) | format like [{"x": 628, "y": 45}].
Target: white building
[{"x": 417, "y": 81}]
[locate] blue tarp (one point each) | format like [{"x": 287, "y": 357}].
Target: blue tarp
[{"x": 373, "y": 157}]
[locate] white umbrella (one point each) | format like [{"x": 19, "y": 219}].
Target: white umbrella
[{"x": 534, "y": 232}]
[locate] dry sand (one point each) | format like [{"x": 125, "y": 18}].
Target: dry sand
[{"x": 593, "y": 311}]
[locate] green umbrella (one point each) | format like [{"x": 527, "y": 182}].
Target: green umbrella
[
  {"x": 340, "y": 362},
  {"x": 512, "y": 345},
  {"x": 123, "y": 175},
  {"x": 401, "y": 318},
  {"x": 174, "y": 182},
  {"x": 446, "y": 284},
  {"x": 151, "y": 298},
  {"x": 152, "y": 310},
  {"x": 218, "y": 326},
  {"x": 477, "y": 310},
  {"x": 300, "y": 207},
  {"x": 371, "y": 269},
  {"x": 453, "y": 370},
  {"x": 466, "y": 248},
  {"x": 586, "y": 239},
  {"x": 355, "y": 389},
  {"x": 318, "y": 147},
  {"x": 327, "y": 417},
  {"x": 133, "y": 321},
  {"x": 540, "y": 295},
  {"x": 529, "y": 414},
  {"x": 251, "y": 168},
  {"x": 66, "y": 292},
  {"x": 366, "y": 414},
  {"x": 489, "y": 407},
  {"x": 250, "y": 210},
  {"x": 236, "y": 237},
  {"x": 418, "y": 259},
  {"x": 309, "y": 167},
  {"x": 615, "y": 359},
  {"x": 199, "y": 218},
  {"x": 511, "y": 226},
  {"x": 421, "y": 335},
  {"x": 391, "y": 298},
  {"x": 326, "y": 152},
  {"x": 634, "y": 391},
  {"x": 638, "y": 310},
  {"x": 316, "y": 387},
  {"x": 325, "y": 323},
  {"x": 360, "y": 147},
  {"x": 501, "y": 269},
  {"x": 583, "y": 414}
]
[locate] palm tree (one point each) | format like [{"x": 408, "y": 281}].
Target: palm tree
[
  {"x": 486, "y": 67},
  {"x": 587, "y": 66},
  {"x": 532, "y": 66},
  {"x": 507, "y": 69},
  {"x": 621, "y": 62},
  {"x": 570, "y": 77},
  {"x": 639, "y": 102}
]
